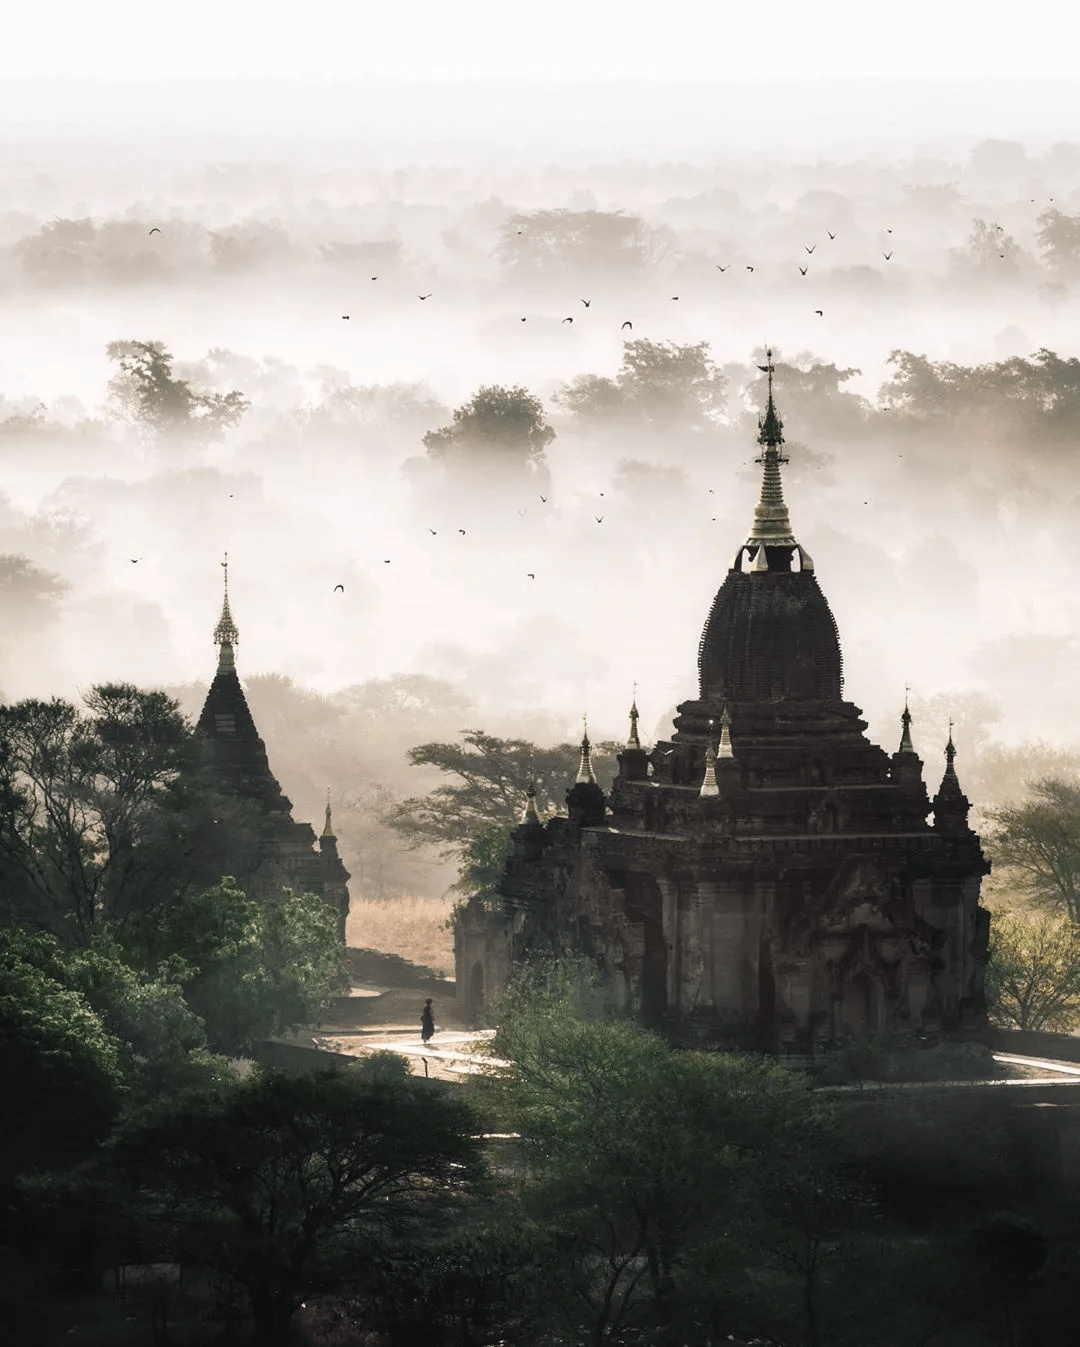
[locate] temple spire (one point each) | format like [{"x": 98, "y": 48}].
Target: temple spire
[
  {"x": 328, "y": 827},
  {"x": 950, "y": 757},
  {"x": 906, "y": 746},
  {"x": 633, "y": 741},
  {"x": 725, "y": 750},
  {"x": 709, "y": 786},
  {"x": 585, "y": 771},
  {"x": 225, "y": 633},
  {"x": 771, "y": 526},
  {"x": 529, "y": 814}
]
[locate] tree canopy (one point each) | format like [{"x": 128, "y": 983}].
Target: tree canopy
[
  {"x": 659, "y": 383},
  {"x": 165, "y": 409},
  {"x": 471, "y": 818},
  {"x": 253, "y": 969},
  {"x": 580, "y": 244},
  {"x": 1033, "y": 975},
  {"x": 1040, "y": 839},
  {"x": 497, "y": 425},
  {"x": 288, "y": 1185}
]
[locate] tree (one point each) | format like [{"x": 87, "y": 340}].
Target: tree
[
  {"x": 1041, "y": 840},
  {"x": 92, "y": 804},
  {"x": 1033, "y": 974},
  {"x": 497, "y": 426},
  {"x": 580, "y": 244},
  {"x": 1059, "y": 242},
  {"x": 166, "y": 409},
  {"x": 471, "y": 819},
  {"x": 254, "y": 969},
  {"x": 659, "y": 383},
  {"x": 990, "y": 254},
  {"x": 651, "y": 1160},
  {"x": 810, "y": 395},
  {"x": 286, "y": 1185},
  {"x": 59, "y": 1064}
]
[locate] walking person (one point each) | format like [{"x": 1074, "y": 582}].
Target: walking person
[{"x": 427, "y": 1022}]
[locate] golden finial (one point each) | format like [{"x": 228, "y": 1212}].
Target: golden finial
[
  {"x": 225, "y": 633},
  {"x": 585, "y": 771},
  {"x": 709, "y": 786},
  {"x": 725, "y": 750}
]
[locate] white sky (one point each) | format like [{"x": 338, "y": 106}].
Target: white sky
[{"x": 564, "y": 39}]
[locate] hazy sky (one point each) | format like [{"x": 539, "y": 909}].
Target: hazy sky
[{"x": 565, "y": 39}]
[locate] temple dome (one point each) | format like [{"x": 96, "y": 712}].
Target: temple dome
[{"x": 770, "y": 636}]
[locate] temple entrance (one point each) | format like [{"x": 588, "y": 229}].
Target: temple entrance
[
  {"x": 654, "y": 974},
  {"x": 861, "y": 1005},
  {"x": 476, "y": 988}
]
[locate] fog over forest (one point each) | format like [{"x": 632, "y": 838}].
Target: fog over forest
[{"x": 931, "y": 408}]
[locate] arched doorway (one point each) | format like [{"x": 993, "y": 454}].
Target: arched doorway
[
  {"x": 476, "y": 988},
  {"x": 861, "y": 1005}
]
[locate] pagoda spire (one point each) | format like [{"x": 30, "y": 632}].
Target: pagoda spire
[
  {"x": 772, "y": 526},
  {"x": 225, "y": 633},
  {"x": 709, "y": 786},
  {"x": 725, "y": 750},
  {"x": 328, "y": 827},
  {"x": 950, "y": 776},
  {"x": 906, "y": 746},
  {"x": 585, "y": 771},
  {"x": 529, "y": 813},
  {"x": 633, "y": 741}
]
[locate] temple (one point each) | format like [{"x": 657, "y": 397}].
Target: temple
[
  {"x": 277, "y": 851},
  {"x": 767, "y": 878}
]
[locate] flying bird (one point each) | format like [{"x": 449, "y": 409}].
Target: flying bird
[
  {"x": 599, "y": 518},
  {"x": 568, "y": 320},
  {"x": 386, "y": 562},
  {"x": 888, "y": 231},
  {"x": 530, "y": 575},
  {"x": 674, "y": 296},
  {"x": 462, "y": 532},
  {"x": 523, "y": 320},
  {"x": 544, "y": 499},
  {"x": 427, "y": 296},
  {"x": 628, "y": 324},
  {"x": 720, "y": 268},
  {"x": 433, "y": 532},
  {"x": 522, "y": 513},
  {"x": 341, "y": 587},
  {"x": 155, "y": 230},
  {"x": 749, "y": 268},
  {"x": 802, "y": 271},
  {"x": 374, "y": 278},
  {"x": 819, "y": 313},
  {"x": 830, "y": 233},
  {"x": 711, "y": 491},
  {"x": 345, "y": 316},
  {"x": 810, "y": 249},
  {"x": 886, "y": 255},
  {"x": 586, "y": 302},
  {"x": 135, "y": 560}
]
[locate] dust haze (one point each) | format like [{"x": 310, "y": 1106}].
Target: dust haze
[{"x": 911, "y": 254}]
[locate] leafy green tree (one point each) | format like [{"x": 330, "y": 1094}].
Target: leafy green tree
[
  {"x": 652, "y": 1161},
  {"x": 64, "y": 1072},
  {"x": 470, "y": 820},
  {"x": 1033, "y": 973},
  {"x": 1059, "y": 242},
  {"x": 166, "y": 409},
  {"x": 658, "y": 383},
  {"x": 496, "y": 426},
  {"x": 1040, "y": 840},
  {"x": 254, "y": 968},
  {"x": 577, "y": 244},
  {"x": 286, "y": 1186},
  {"x": 92, "y": 803}
]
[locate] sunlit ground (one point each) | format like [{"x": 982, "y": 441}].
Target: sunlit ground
[{"x": 411, "y": 927}]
